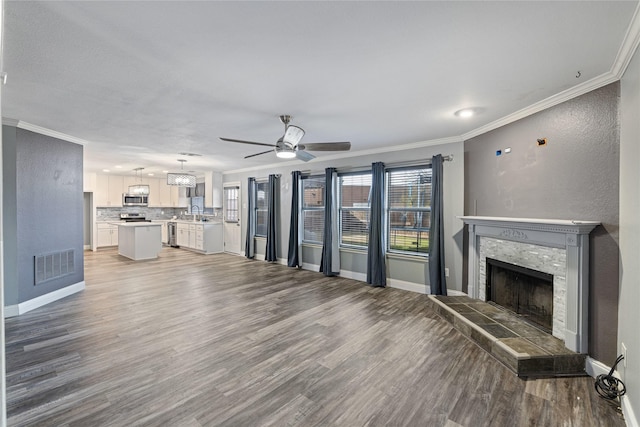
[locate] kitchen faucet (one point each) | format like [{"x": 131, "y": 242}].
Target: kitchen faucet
[{"x": 199, "y": 213}]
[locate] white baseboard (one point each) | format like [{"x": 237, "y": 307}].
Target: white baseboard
[
  {"x": 32, "y": 304},
  {"x": 261, "y": 257},
  {"x": 594, "y": 368},
  {"x": 454, "y": 293},
  {"x": 408, "y": 286},
  {"x": 362, "y": 277},
  {"x": 627, "y": 411},
  {"x": 310, "y": 267}
]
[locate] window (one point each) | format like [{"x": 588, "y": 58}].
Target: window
[
  {"x": 409, "y": 209},
  {"x": 355, "y": 192},
  {"x": 313, "y": 208},
  {"x": 231, "y": 207},
  {"x": 262, "y": 202}
]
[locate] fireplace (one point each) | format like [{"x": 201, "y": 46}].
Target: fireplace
[
  {"x": 556, "y": 247},
  {"x": 526, "y": 292}
]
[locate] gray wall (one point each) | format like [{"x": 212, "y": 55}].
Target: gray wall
[
  {"x": 629, "y": 315},
  {"x": 45, "y": 209},
  {"x": 574, "y": 177},
  {"x": 403, "y": 270}
]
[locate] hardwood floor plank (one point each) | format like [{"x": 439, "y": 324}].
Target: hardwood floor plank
[{"x": 219, "y": 340}]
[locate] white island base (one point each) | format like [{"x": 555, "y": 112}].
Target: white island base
[{"x": 140, "y": 240}]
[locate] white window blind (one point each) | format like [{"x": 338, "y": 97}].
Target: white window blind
[
  {"x": 231, "y": 204},
  {"x": 313, "y": 189},
  {"x": 262, "y": 202},
  {"x": 409, "y": 209},
  {"x": 355, "y": 198}
]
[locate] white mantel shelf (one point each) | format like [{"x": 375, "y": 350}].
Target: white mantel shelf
[
  {"x": 571, "y": 236},
  {"x": 554, "y": 225}
]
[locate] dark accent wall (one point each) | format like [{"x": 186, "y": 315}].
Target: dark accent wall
[
  {"x": 43, "y": 203},
  {"x": 575, "y": 176}
]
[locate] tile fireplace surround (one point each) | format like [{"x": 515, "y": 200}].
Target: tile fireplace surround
[{"x": 558, "y": 247}]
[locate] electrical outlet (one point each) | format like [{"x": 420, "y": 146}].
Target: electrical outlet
[
  {"x": 623, "y": 349},
  {"x": 446, "y": 272},
  {"x": 507, "y": 150}
]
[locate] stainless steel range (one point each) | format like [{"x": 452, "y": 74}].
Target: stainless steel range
[{"x": 133, "y": 217}]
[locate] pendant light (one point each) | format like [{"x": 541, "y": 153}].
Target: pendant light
[
  {"x": 139, "y": 189},
  {"x": 181, "y": 179}
]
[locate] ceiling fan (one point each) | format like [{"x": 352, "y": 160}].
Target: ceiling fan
[{"x": 288, "y": 145}]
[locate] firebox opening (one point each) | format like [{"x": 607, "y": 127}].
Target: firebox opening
[{"x": 524, "y": 291}]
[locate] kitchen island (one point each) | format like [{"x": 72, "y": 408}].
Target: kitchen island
[{"x": 139, "y": 240}]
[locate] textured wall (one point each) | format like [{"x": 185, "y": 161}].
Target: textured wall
[
  {"x": 48, "y": 207},
  {"x": 629, "y": 315},
  {"x": 575, "y": 176}
]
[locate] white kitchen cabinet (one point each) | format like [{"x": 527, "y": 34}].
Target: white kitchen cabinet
[
  {"x": 89, "y": 184},
  {"x": 101, "y": 195},
  {"x": 115, "y": 190},
  {"x": 169, "y": 194},
  {"x": 213, "y": 189},
  {"x": 182, "y": 237},
  {"x": 201, "y": 237},
  {"x": 154, "y": 191},
  {"x": 107, "y": 235}
]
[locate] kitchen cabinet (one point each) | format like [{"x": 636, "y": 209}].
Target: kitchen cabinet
[
  {"x": 168, "y": 194},
  {"x": 102, "y": 190},
  {"x": 201, "y": 237},
  {"x": 182, "y": 237},
  {"x": 213, "y": 189},
  {"x": 116, "y": 188},
  {"x": 89, "y": 182},
  {"x": 107, "y": 235},
  {"x": 154, "y": 191}
]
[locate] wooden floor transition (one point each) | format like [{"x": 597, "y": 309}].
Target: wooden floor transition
[{"x": 218, "y": 340}]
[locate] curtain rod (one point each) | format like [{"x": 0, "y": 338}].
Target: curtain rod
[{"x": 446, "y": 158}]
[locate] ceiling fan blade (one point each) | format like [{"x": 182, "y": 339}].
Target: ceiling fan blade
[
  {"x": 304, "y": 156},
  {"x": 258, "y": 154},
  {"x": 325, "y": 146},
  {"x": 247, "y": 142}
]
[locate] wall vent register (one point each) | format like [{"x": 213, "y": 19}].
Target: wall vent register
[{"x": 54, "y": 265}]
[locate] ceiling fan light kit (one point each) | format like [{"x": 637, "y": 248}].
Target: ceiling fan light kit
[{"x": 289, "y": 147}]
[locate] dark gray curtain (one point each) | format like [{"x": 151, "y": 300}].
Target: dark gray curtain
[
  {"x": 376, "y": 267},
  {"x": 293, "y": 258},
  {"x": 330, "y": 261},
  {"x": 436, "y": 230},
  {"x": 272, "y": 218},
  {"x": 249, "y": 246}
]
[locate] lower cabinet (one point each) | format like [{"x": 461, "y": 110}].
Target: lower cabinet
[
  {"x": 201, "y": 237},
  {"x": 107, "y": 235}
]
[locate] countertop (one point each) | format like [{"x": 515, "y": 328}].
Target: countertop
[{"x": 138, "y": 224}]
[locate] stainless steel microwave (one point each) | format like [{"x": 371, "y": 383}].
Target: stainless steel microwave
[{"x": 135, "y": 200}]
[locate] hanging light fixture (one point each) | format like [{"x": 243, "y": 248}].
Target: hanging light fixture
[
  {"x": 181, "y": 179},
  {"x": 139, "y": 189}
]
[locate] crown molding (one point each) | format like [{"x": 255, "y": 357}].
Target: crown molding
[
  {"x": 629, "y": 45},
  {"x": 43, "y": 131}
]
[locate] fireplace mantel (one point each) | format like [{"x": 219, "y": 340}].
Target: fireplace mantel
[{"x": 572, "y": 236}]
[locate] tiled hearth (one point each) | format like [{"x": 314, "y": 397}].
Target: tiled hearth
[{"x": 523, "y": 348}]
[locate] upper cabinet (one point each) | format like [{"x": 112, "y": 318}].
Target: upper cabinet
[
  {"x": 109, "y": 188},
  {"x": 213, "y": 190}
]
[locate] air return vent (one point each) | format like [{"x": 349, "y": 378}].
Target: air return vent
[{"x": 53, "y": 265}]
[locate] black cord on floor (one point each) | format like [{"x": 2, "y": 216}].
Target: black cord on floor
[{"x": 609, "y": 386}]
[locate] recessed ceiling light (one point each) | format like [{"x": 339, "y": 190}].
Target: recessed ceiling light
[
  {"x": 106, "y": 170},
  {"x": 150, "y": 174},
  {"x": 465, "y": 113},
  {"x": 165, "y": 171},
  {"x": 118, "y": 167},
  {"x": 190, "y": 154}
]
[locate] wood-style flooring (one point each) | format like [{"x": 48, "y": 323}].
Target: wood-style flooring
[{"x": 219, "y": 340}]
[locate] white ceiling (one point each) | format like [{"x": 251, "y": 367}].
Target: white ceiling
[{"x": 143, "y": 81}]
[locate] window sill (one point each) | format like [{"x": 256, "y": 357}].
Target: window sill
[
  {"x": 312, "y": 245},
  {"x": 408, "y": 257}
]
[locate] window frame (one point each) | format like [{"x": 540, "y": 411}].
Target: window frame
[
  {"x": 389, "y": 210},
  {"x": 258, "y": 209},
  {"x": 304, "y": 208},
  {"x": 342, "y": 209}
]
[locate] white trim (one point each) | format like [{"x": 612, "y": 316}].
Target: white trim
[
  {"x": 32, "y": 304},
  {"x": 420, "y": 288},
  {"x": 629, "y": 45},
  {"x": 310, "y": 267},
  {"x": 455, "y": 293},
  {"x": 259, "y": 257},
  {"x": 594, "y": 367},
  {"x": 627, "y": 412},
  {"x": 362, "y": 277},
  {"x": 52, "y": 133},
  {"x": 87, "y": 247}
]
